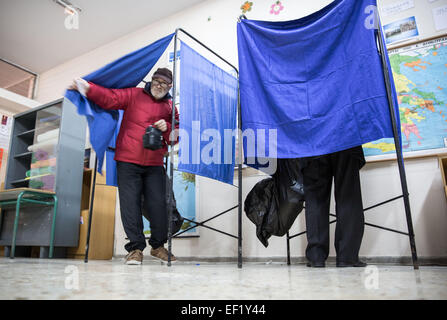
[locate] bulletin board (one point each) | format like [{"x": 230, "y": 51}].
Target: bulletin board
[{"x": 412, "y": 20}]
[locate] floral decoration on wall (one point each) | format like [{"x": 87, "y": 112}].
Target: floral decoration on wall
[
  {"x": 246, "y": 6},
  {"x": 276, "y": 8}
]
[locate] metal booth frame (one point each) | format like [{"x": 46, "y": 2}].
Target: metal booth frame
[
  {"x": 171, "y": 162},
  {"x": 400, "y": 162},
  {"x": 171, "y": 168},
  {"x": 402, "y": 174}
]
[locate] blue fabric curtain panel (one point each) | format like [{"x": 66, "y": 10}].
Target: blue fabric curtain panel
[
  {"x": 125, "y": 72},
  {"x": 111, "y": 173},
  {"x": 208, "y": 111},
  {"x": 317, "y": 80}
]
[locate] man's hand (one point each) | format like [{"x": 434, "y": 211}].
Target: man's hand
[
  {"x": 81, "y": 85},
  {"x": 161, "y": 125}
]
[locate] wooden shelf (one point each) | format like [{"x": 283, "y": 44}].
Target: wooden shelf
[
  {"x": 23, "y": 155},
  {"x": 103, "y": 219},
  {"x": 26, "y": 134},
  {"x": 443, "y": 167},
  {"x": 22, "y": 183}
]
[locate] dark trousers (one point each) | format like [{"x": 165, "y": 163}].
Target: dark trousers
[
  {"x": 133, "y": 182},
  {"x": 342, "y": 167}
]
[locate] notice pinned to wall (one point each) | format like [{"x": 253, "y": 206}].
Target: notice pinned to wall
[
  {"x": 401, "y": 30},
  {"x": 440, "y": 18},
  {"x": 5, "y": 131},
  {"x": 396, "y": 7}
]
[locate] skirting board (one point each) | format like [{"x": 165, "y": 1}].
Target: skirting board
[{"x": 423, "y": 261}]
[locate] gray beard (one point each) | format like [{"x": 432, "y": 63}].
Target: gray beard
[{"x": 158, "y": 96}]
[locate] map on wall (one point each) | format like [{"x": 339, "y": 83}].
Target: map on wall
[{"x": 420, "y": 77}]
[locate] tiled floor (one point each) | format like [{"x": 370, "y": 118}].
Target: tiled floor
[{"x": 28, "y": 278}]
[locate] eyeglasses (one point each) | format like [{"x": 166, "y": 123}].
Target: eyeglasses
[{"x": 164, "y": 85}]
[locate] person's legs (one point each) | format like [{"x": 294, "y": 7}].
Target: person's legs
[
  {"x": 154, "y": 189},
  {"x": 317, "y": 189},
  {"x": 130, "y": 185},
  {"x": 349, "y": 207}
]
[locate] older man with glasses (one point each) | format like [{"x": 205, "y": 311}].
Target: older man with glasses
[{"x": 140, "y": 170}]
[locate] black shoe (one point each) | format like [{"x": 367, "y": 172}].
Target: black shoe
[
  {"x": 315, "y": 264},
  {"x": 358, "y": 264}
]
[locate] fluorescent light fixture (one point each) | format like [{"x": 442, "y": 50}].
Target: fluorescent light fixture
[{"x": 68, "y": 6}]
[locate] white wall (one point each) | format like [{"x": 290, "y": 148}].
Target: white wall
[{"x": 214, "y": 23}]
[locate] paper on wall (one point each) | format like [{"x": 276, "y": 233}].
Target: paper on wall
[
  {"x": 440, "y": 18},
  {"x": 5, "y": 131},
  {"x": 396, "y": 7}
]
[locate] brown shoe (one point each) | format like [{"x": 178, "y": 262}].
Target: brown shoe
[
  {"x": 162, "y": 254},
  {"x": 134, "y": 257}
]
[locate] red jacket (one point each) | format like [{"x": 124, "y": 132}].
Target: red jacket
[{"x": 140, "y": 111}]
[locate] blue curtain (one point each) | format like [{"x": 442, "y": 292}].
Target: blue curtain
[
  {"x": 318, "y": 81},
  {"x": 125, "y": 72},
  {"x": 208, "y": 110},
  {"x": 111, "y": 173}
]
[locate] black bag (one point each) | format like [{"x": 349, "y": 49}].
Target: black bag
[
  {"x": 274, "y": 203},
  {"x": 177, "y": 220},
  {"x": 153, "y": 138}
]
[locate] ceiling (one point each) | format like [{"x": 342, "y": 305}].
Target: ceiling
[{"x": 33, "y": 33}]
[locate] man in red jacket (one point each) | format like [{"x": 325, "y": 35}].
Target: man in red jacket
[{"x": 140, "y": 171}]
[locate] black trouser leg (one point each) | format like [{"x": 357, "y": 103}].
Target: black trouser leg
[
  {"x": 349, "y": 207},
  {"x": 317, "y": 189},
  {"x": 130, "y": 186},
  {"x": 154, "y": 189}
]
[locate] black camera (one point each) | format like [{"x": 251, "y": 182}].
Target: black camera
[{"x": 152, "y": 138}]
